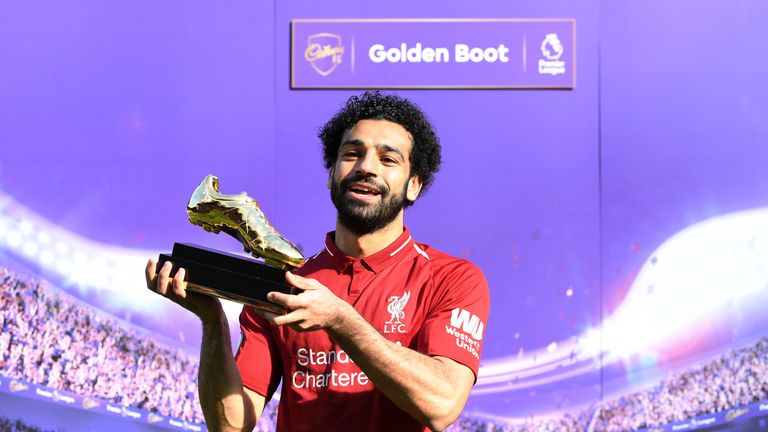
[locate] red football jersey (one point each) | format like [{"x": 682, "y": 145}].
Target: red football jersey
[{"x": 412, "y": 294}]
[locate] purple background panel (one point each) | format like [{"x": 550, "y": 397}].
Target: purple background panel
[
  {"x": 514, "y": 47},
  {"x": 111, "y": 114}
]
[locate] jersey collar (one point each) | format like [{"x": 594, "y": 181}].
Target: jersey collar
[{"x": 376, "y": 262}]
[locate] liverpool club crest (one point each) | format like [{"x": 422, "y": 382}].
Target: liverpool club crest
[{"x": 396, "y": 309}]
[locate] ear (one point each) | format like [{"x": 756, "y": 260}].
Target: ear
[
  {"x": 414, "y": 187},
  {"x": 330, "y": 178}
]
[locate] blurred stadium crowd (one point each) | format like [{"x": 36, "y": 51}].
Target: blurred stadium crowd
[
  {"x": 734, "y": 379},
  {"x": 17, "y": 425},
  {"x": 50, "y": 339}
]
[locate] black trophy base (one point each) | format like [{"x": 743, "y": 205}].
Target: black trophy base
[{"x": 242, "y": 280}]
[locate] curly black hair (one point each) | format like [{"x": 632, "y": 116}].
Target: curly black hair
[{"x": 425, "y": 151}]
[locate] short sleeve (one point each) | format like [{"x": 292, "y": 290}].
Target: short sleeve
[
  {"x": 455, "y": 324},
  {"x": 257, "y": 356}
]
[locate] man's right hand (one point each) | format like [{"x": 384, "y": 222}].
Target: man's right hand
[{"x": 207, "y": 308}]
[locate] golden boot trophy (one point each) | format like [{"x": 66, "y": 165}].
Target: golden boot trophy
[
  {"x": 226, "y": 275},
  {"x": 240, "y": 216}
]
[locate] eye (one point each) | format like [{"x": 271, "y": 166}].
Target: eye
[
  {"x": 349, "y": 154},
  {"x": 388, "y": 160}
]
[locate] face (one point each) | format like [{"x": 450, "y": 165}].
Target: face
[{"x": 370, "y": 182}]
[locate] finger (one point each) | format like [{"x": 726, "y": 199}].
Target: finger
[
  {"x": 163, "y": 277},
  {"x": 300, "y": 282},
  {"x": 274, "y": 318},
  {"x": 287, "y": 319},
  {"x": 149, "y": 273},
  {"x": 179, "y": 286},
  {"x": 288, "y": 300}
]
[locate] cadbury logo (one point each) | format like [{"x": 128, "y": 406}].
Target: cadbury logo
[
  {"x": 324, "y": 52},
  {"x": 734, "y": 413},
  {"x": 15, "y": 386}
]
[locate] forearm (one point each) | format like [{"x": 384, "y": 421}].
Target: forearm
[
  {"x": 433, "y": 390},
  {"x": 418, "y": 384},
  {"x": 224, "y": 401},
  {"x": 225, "y": 405}
]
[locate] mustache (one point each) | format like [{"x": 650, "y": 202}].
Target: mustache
[{"x": 360, "y": 178}]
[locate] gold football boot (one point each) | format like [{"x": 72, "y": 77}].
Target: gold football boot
[{"x": 240, "y": 216}]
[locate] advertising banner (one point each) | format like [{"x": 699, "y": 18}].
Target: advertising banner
[
  {"x": 744, "y": 418},
  {"x": 433, "y": 53},
  {"x": 28, "y": 390}
]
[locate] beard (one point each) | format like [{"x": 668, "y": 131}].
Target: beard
[{"x": 362, "y": 218}]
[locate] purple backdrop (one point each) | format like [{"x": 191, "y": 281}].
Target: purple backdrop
[{"x": 110, "y": 114}]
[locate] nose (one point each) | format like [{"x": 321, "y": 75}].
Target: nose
[{"x": 367, "y": 164}]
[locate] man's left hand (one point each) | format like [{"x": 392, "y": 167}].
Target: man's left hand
[{"x": 314, "y": 308}]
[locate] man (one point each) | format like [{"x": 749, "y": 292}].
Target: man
[{"x": 384, "y": 333}]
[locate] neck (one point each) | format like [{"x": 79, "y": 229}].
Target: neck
[{"x": 361, "y": 246}]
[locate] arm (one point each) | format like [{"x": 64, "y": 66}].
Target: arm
[
  {"x": 226, "y": 404},
  {"x": 431, "y": 389}
]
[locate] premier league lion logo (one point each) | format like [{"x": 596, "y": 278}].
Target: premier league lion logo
[
  {"x": 551, "y": 47},
  {"x": 324, "y": 52}
]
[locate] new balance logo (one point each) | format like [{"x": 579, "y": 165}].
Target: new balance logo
[{"x": 469, "y": 323}]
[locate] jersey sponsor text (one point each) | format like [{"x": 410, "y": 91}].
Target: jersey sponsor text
[
  {"x": 469, "y": 323},
  {"x": 467, "y": 328},
  {"x": 464, "y": 342},
  {"x": 304, "y": 379},
  {"x": 333, "y": 379},
  {"x": 308, "y": 356}
]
